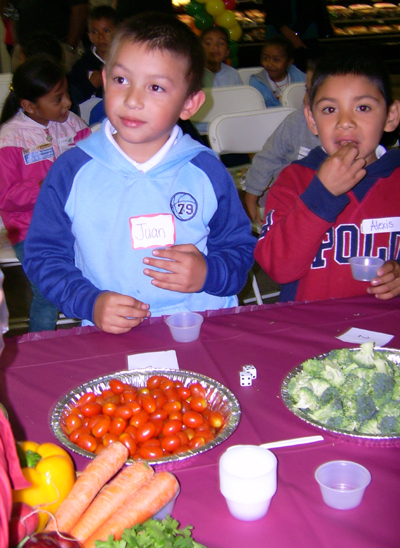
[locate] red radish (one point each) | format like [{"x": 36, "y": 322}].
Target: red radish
[
  {"x": 23, "y": 523},
  {"x": 52, "y": 539}
]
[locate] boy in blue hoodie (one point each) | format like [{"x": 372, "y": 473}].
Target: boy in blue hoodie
[{"x": 141, "y": 219}]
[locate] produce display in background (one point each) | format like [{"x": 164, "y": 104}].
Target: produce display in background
[{"x": 50, "y": 471}]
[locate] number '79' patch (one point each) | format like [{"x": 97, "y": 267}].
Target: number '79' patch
[{"x": 184, "y": 206}]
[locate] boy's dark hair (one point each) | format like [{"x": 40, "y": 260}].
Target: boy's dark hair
[
  {"x": 164, "y": 32},
  {"x": 42, "y": 43},
  {"x": 283, "y": 42},
  {"x": 357, "y": 62},
  {"x": 103, "y": 12},
  {"x": 34, "y": 78},
  {"x": 223, "y": 31}
]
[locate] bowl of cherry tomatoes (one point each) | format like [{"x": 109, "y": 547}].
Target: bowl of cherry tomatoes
[{"x": 162, "y": 416}]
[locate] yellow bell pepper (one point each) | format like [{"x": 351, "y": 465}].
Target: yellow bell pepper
[{"x": 52, "y": 476}]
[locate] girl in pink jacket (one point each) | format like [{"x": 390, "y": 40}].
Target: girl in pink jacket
[{"x": 36, "y": 127}]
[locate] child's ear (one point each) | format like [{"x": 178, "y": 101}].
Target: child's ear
[
  {"x": 28, "y": 106},
  {"x": 310, "y": 120},
  {"x": 393, "y": 117},
  {"x": 192, "y": 105},
  {"x": 104, "y": 77}
]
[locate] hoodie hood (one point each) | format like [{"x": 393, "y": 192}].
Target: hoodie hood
[{"x": 99, "y": 147}]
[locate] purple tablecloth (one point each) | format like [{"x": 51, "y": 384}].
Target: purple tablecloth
[{"x": 276, "y": 338}]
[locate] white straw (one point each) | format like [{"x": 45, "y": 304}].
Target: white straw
[{"x": 292, "y": 442}]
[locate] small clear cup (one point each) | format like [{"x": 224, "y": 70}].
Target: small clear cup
[
  {"x": 185, "y": 326},
  {"x": 364, "y": 269},
  {"x": 342, "y": 483}
]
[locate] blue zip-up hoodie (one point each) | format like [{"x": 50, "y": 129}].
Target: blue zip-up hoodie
[{"x": 80, "y": 242}]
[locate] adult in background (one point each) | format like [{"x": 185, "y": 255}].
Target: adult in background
[{"x": 303, "y": 22}]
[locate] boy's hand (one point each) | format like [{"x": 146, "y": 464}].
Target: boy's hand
[
  {"x": 186, "y": 268},
  {"x": 342, "y": 171},
  {"x": 387, "y": 284},
  {"x": 253, "y": 211},
  {"x": 116, "y": 313}
]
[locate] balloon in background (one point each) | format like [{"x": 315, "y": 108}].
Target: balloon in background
[
  {"x": 230, "y": 4},
  {"x": 203, "y": 1},
  {"x": 215, "y": 7},
  {"x": 203, "y": 20},
  {"x": 227, "y": 19},
  {"x": 235, "y": 32},
  {"x": 194, "y": 7}
]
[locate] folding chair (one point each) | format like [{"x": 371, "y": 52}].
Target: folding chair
[
  {"x": 245, "y": 73},
  {"x": 293, "y": 95},
  {"x": 5, "y": 80},
  {"x": 86, "y": 108}
]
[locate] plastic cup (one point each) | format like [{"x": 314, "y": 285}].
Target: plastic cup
[
  {"x": 247, "y": 475},
  {"x": 185, "y": 326},
  {"x": 364, "y": 269},
  {"x": 342, "y": 483}
]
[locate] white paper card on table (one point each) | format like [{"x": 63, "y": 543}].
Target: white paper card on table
[
  {"x": 153, "y": 360},
  {"x": 359, "y": 336}
]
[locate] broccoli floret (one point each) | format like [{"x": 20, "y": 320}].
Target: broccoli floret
[
  {"x": 342, "y": 356},
  {"x": 396, "y": 390},
  {"x": 382, "y": 388},
  {"x": 334, "y": 422},
  {"x": 332, "y": 373},
  {"x": 389, "y": 425},
  {"x": 323, "y": 414},
  {"x": 313, "y": 367},
  {"x": 390, "y": 409},
  {"x": 359, "y": 408},
  {"x": 298, "y": 381},
  {"x": 319, "y": 386},
  {"x": 328, "y": 395},
  {"x": 306, "y": 399},
  {"x": 349, "y": 424},
  {"x": 370, "y": 427},
  {"x": 383, "y": 366},
  {"x": 365, "y": 356},
  {"x": 364, "y": 373},
  {"x": 354, "y": 386}
]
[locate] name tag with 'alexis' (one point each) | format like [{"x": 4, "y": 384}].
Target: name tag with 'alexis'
[
  {"x": 157, "y": 230},
  {"x": 384, "y": 224}
]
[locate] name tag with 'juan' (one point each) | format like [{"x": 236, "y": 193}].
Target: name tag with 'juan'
[
  {"x": 384, "y": 224},
  {"x": 156, "y": 230}
]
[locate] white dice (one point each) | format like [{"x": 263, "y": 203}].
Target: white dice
[
  {"x": 250, "y": 369},
  {"x": 245, "y": 379}
]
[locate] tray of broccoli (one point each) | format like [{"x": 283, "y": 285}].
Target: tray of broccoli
[{"x": 350, "y": 392}]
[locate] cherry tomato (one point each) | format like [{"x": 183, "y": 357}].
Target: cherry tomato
[
  {"x": 129, "y": 443},
  {"x": 109, "y": 438},
  {"x": 113, "y": 399},
  {"x": 156, "y": 392},
  {"x": 165, "y": 384},
  {"x": 99, "y": 449},
  {"x": 216, "y": 419},
  {"x": 116, "y": 386},
  {"x": 92, "y": 421},
  {"x": 152, "y": 442},
  {"x": 183, "y": 392},
  {"x": 176, "y": 416},
  {"x": 131, "y": 430},
  {"x": 135, "y": 406},
  {"x": 159, "y": 426},
  {"x": 128, "y": 396},
  {"x": 181, "y": 449},
  {"x": 99, "y": 399},
  {"x": 178, "y": 384},
  {"x": 86, "y": 442},
  {"x": 101, "y": 428},
  {"x": 185, "y": 406},
  {"x": 153, "y": 382},
  {"x": 150, "y": 452},
  {"x": 143, "y": 391},
  {"x": 82, "y": 430},
  {"x": 171, "y": 427},
  {"x": 183, "y": 437},
  {"x": 123, "y": 412},
  {"x": 145, "y": 432},
  {"x": 196, "y": 389},
  {"x": 76, "y": 411},
  {"x": 192, "y": 419},
  {"x": 117, "y": 426},
  {"x": 148, "y": 403},
  {"x": 161, "y": 401},
  {"x": 189, "y": 432},
  {"x": 159, "y": 414},
  {"x": 207, "y": 435},
  {"x": 198, "y": 403},
  {"x": 91, "y": 409},
  {"x": 197, "y": 441},
  {"x": 108, "y": 409},
  {"x": 172, "y": 394},
  {"x": 171, "y": 406},
  {"x": 206, "y": 413},
  {"x": 139, "y": 419},
  {"x": 72, "y": 422},
  {"x": 89, "y": 397},
  {"x": 107, "y": 393},
  {"x": 170, "y": 443}
]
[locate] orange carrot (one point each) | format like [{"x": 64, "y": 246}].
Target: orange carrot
[
  {"x": 146, "y": 502},
  {"x": 102, "y": 468},
  {"x": 111, "y": 498}
]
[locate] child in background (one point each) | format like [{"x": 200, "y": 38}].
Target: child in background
[
  {"x": 140, "y": 218},
  {"x": 41, "y": 43},
  {"x": 36, "y": 128},
  {"x": 342, "y": 200},
  {"x": 279, "y": 72},
  {"x": 85, "y": 78},
  {"x": 291, "y": 141},
  {"x": 215, "y": 41}
]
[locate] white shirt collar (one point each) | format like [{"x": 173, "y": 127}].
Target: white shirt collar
[
  {"x": 151, "y": 162},
  {"x": 94, "y": 51}
]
